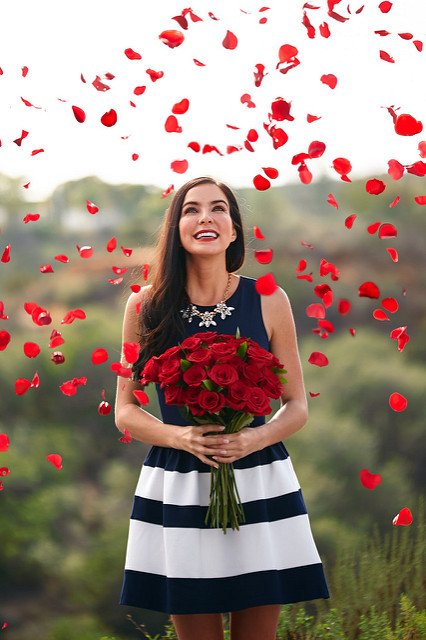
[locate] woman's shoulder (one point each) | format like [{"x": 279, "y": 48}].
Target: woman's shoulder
[{"x": 136, "y": 299}]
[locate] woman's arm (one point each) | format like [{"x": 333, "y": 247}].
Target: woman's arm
[
  {"x": 147, "y": 428},
  {"x": 293, "y": 413}
]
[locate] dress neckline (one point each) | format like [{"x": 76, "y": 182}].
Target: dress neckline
[{"x": 212, "y": 306}]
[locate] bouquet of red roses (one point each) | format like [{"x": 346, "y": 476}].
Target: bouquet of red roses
[{"x": 218, "y": 379}]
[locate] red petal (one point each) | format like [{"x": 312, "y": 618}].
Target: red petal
[
  {"x": 35, "y": 381},
  {"x": 281, "y": 110},
  {"x": 261, "y": 183},
  {"x": 46, "y": 268},
  {"x": 372, "y": 228},
  {"x": 56, "y": 341},
  {"x": 99, "y": 85},
  {"x": 109, "y": 118},
  {"x": 331, "y": 200},
  {"x": 195, "y": 146},
  {"x": 304, "y": 174},
  {"x": 418, "y": 44},
  {"x": 73, "y": 315},
  {"x": 4, "y": 442},
  {"x": 181, "y": 107},
  {"x": 55, "y": 459},
  {"x": 318, "y": 358},
  {"x": 305, "y": 276},
  {"x": 230, "y": 41},
  {"x": 324, "y": 292},
  {"x": 352, "y": 332},
  {"x": 31, "y": 217},
  {"x": 301, "y": 267},
  {"x": 85, "y": 252},
  {"x": 91, "y": 208},
  {"x": 379, "y": 314},
  {"x": 307, "y": 23},
  {"x": 314, "y": 395},
  {"x": 315, "y": 311},
  {"x": 127, "y": 437},
  {"x": 374, "y": 186},
  {"x": 138, "y": 91},
  {"x": 385, "y": 6},
  {"x": 369, "y": 480},
  {"x": 397, "y": 402},
  {"x": 417, "y": 169},
  {"x": 21, "y": 386},
  {"x": 420, "y": 199},
  {"x": 264, "y": 256},
  {"x": 6, "y": 254},
  {"x": 406, "y": 125},
  {"x": 368, "y": 290},
  {"x": 396, "y": 169},
  {"x": 36, "y": 151},
  {"x": 266, "y": 285},
  {"x": 271, "y": 172},
  {"x": 259, "y": 74},
  {"x": 258, "y": 234},
  {"x": 343, "y": 306},
  {"x": 311, "y": 118},
  {"x": 390, "y": 304},
  {"x": 131, "y": 351},
  {"x": 393, "y": 253},
  {"x": 4, "y": 339},
  {"x": 406, "y": 36},
  {"x": 127, "y": 252},
  {"x": 135, "y": 156},
  {"x": 167, "y": 191},
  {"x": 387, "y": 230},
  {"x": 124, "y": 372},
  {"x": 286, "y": 53},
  {"x": 326, "y": 325},
  {"x": 350, "y": 220},
  {"x": 386, "y": 57},
  {"x": 99, "y": 356},
  {"x": 179, "y": 166},
  {"x": 172, "y": 126},
  {"x": 252, "y": 135},
  {"x": 31, "y": 349},
  {"x": 330, "y": 80},
  {"x": 104, "y": 408},
  {"x": 135, "y": 288},
  {"x": 79, "y": 114},
  {"x": 198, "y": 63},
  {"x": 404, "y": 517},
  {"x": 316, "y": 149},
  {"x": 132, "y": 55},
  {"x": 342, "y": 166},
  {"x": 329, "y": 267},
  {"x": 246, "y": 99},
  {"x": 116, "y": 281},
  {"x": 141, "y": 397},
  {"x": 111, "y": 244},
  {"x": 306, "y": 244},
  {"x": 324, "y": 30},
  {"x": 119, "y": 270},
  {"x": 172, "y": 38},
  {"x": 395, "y": 202},
  {"x": 279, "y": 137}
]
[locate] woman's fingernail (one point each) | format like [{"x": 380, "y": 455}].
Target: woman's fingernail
[{"x": 225, "y": 441}]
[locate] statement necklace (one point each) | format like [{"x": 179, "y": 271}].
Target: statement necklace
[{"x": 207, "y": 317}]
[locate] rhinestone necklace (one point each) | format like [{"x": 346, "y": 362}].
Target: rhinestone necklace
[{"x": 207, "y": 317}]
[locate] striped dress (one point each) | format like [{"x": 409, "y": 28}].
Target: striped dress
[{"x": 177, "y": 564}]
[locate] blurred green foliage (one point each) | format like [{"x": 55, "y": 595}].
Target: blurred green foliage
[{"x": 64, "y": 532}]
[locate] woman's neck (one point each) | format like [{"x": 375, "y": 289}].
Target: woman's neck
[{"x": 206, "y": 283}]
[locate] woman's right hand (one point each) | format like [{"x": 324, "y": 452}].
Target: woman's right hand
[{"x": 194, "y": 439}]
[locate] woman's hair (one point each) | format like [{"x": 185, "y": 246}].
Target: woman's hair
[{"x": 161, "y": 323}]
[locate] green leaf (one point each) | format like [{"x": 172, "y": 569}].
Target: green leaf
[
  {"x": 242, "y": 350},
  {"x": 237, "y": 333},
  {"x": 185, "y": 364}
]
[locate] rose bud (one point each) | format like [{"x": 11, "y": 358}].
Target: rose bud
[{"x": 57, "y": 357}]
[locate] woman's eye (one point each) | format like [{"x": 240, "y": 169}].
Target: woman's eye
[{"x": 219, "y": 208}]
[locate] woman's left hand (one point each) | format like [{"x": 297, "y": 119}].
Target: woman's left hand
[{"x": 240, "y": 444}]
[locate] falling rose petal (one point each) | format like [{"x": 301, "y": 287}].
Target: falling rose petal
[
  {"x": 266, "y": 285},
  {"x": 390, "y": 304},
  {"x": 304, "y": 174},
  {"x": 99, "y": 85},
  {"x": 342, "y": 166},
  {"x": 111, "y": 245},
  {"x": 167, "y": 191},
  {"x": 135, "y": 157},
  {"x": 6, "y": 254},
  {"x": 198, "y": 63},
  {"x": 264, "y": 256},
  {"x": 34, "y": 152},
  {"x": 24, "y": 71},
  {"x": 119, "y": 270},
  {"x": 208, "y": 148},
  {"x": 4, "y": 442},
  {"x": 368, "y": 290},
  {"x": 4, "y": 471},
  {"x": 326, "y": 325},
  {"x": 404, "y": 517},
  {"x": 406, "y": 125},
  {"x": 417, "y": 169},
  {"x": 331, "y": 200},
  {"x": 393, "y": 253},
  {"x": 279, "y": 137},
  {"x": 422, "y": 148},
  {"x": 350, "y": 220},
  {"x": 246, "y": 99},
  {"x": 172, "y": 126},
  {"x": 57, "y": 357},
  {"x": 131, "y": 351},
  {"x": 182, "y": 21},
  {"x": 99, "y": 356},
  {"x": 230, "y": 41},
  {"x": 395, "y": 170},
  {"x": 172, "y": 38},
  {"x": 155, "y": 75},
  {"x": 309, "y": 27},
  {"x": 73, "y": 315},
  {"x": 31, "y": 349},
  {"x": 126, "y": 438},
  {"x": 259, "y": 74},
  {"x": 179, "y": 166},
  {"x": 91, "y": 208},
  {"x": 104, "y": 408},
  {"x": 195, "y": 146},
  {"x": 329, "y": 267},
  {"x": 387, "y": 230},
  {"x": 116, "y": 281},
  {"x": 324, "y": 292},
  {"x": 401, "y": 336},
  {"x": 316, "y": 149},
  {"x": 385, "y": 7},
  {"x": 343, "y": 306},
  {"x": 261, "y": 183},
  {"x": 352, "y": 331},
  {"x": 301, "y": 266},
  {"x": 69, "y": 388},
  {"x": 314, "y": 395},
  {"x": 85, "y": 252},
  {"x": 35, "y": 381},
  {"x": 271, "y": 172},
  {"x": 369, "y": 480},
  {"x": 372, "y": 228},
  {"x": 329, "y": 79},
  {"x": 135, "y": 288},
  {"x": 379, "y": 314},
  {"x": 18, "y": 141},
  {"x": 252, "y": 135},
  {"x": 55, "y": 459},
  {"x": 62, "y": 258},
  {"x": 315, "y": 310},
  {"x": 2, "y": 315},
  {"x": 420, "y": 200},
  {"x": 418, "y": 44},
  {"x": 397, "y": 402},
  {"x": 181, "y": 107},
  {"x": 305, "y": 276},
  {"x": 4, "y": 339},
  {"x": 127, "y": 252},
  {"x": 286, "y": 53},
  {"x": 132, "y": 55},
  {"x": 324, "y": 30},
  {"x": 258, "y": 234},
  {"x": 319, "y": 359},
  {"x": 386, "y": 57},
  {"x": 79, "y": 114},
  {"x": 124, "y": 372},
  {"x": 138, "y": 91},
  {"x": 306, "y": 244},
  {"x": 141, "y": 397},
  {"x": 109, "y": 118},
  {"x": 31, "y": 217},
  {"x": 21, "y": 386},
  {"x": 375, "y": 187},
  {"x": 25, "y": 185},
  {"x": 281, "y": 110},
  {"x": 56, "y": 341}
]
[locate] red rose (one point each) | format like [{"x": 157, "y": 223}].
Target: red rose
[
  {"x": 191, "y": 395},
  {"x": 195, "y": 375},
  {"x": 191, "y": 343},
  {"x": 211, "y": 401},
  {"x": 174, "y": 395},
  {"x": 206, "y": 337},
  {"x": 170, "y": 372},
  {"x": 253, "y": 373},
  {"x": 259, "y": 356},
  {"x": 272, "y": 385},
  {"x": 237, "y": 395},
  {"x": 170, "y": 352},
  {"x": 200, "y": 356},
  {"x": 223, "y": 374},
  {"x": 222, "y": 350},
  {"x": 151, "y": 370},
  {"x": 258, "y": 402}
]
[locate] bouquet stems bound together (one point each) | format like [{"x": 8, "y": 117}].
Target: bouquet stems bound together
[{"x": 219, "y": 379}]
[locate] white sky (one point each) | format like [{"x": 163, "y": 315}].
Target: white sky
[{"x": 58, "y": 42}]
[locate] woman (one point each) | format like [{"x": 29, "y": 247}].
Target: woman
[{"x": 174, "y": 562}]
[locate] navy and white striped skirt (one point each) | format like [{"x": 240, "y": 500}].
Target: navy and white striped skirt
[{"x": 177, "y": 564}]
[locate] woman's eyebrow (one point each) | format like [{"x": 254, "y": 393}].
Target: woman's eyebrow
[{"x": 212, "y": 202}]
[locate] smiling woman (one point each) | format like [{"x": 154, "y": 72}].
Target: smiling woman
[{"x": 175, "y": 561}]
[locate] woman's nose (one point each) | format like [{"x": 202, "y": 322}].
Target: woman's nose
[{"x": 204, "y": 216}]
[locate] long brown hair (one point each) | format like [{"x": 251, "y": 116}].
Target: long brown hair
[{"x": 161, "y": 323}]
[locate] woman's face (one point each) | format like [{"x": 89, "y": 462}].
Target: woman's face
[{"x": 205, "y": 224}]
